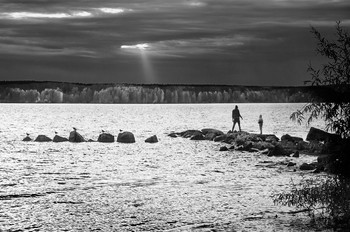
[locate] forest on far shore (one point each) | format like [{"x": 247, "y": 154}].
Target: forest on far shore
[{"x": 64, "y": 92}]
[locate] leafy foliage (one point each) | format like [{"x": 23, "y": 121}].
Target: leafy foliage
[
  {"x": 331, "y": 101},
  {"x": 327, "y": 200}
]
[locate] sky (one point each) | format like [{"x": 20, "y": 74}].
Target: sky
[{"x": 224, "y": 42}]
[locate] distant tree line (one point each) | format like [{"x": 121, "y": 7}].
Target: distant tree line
[{"x": 34, "y": 92}]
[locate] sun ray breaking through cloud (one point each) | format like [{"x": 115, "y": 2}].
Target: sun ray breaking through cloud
[
  {"x": 241, "y": 41},
  {"x": 147, "y": 69}
]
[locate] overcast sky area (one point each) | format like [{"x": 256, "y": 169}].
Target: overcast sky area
[{"x": 231, "y": 42}]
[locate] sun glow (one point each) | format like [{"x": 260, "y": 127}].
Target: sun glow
[
  {"x": 112, "y": 10},
  {"x": 142, "y": 50},
  {"x": 20, "y": 15},
  {"x": 136, "y": 46},
  {"x": 24, "y": 15}
]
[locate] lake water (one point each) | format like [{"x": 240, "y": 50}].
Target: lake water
[{"x": 173, "y": 185}]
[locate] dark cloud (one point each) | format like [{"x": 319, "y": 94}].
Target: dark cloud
[{"x": 208, "y": 41}]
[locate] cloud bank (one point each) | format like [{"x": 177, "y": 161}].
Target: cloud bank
[{"x": 188, "y": 41}]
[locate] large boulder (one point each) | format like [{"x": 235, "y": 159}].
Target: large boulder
[
  {"x": 287, "y": 145},
  {"x": 268, "y": 137},
  {"x": 255, "y": 138},
  {"x": 152, "y": 139},
  {"x": 306, "y": 167},
  {"x": 320, "y": 135},
  {"x": 302, "y": 145},
  {"x": 220, "y": 138},
  {"x": 278, "y": 151},
  {"x": 58, "y": 139},
  {"x": 75, "y": 137},
  {"x": 271, "y": 138},
  {"x": 105, "y": 138},
  {"x": 316, "y": 146},
  {"x": 224, "y": 148},
  {"x": 206, "y": 131},
  {"x": 198, "y": 137},
  {"x": 190, "y": 133},
  {"x": 172, "y": 135},
  {"x": 242, "y": 138},
  {"x": 262, "y": 145},
  {"x": 126, "y": 137},
  {"x": 296, "y": 154},
  {"x": 27, "y": 139},
  {"x": 210, "y": 136},
  {"x": 293, "y": 139},
  {"x": 42, "y": 138}
]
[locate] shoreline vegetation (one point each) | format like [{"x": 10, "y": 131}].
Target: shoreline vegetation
[
  {"x": 328, "y": 199},
  {"x": 64, "y": 92}
]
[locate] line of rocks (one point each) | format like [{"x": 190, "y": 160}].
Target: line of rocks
[
  {"x": 320, "y": 143},
  {"x": 75, "y": 137}
]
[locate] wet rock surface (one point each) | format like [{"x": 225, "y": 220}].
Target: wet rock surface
[
  {"x": 271, "y": 146},
  {"x": 75, "y": 137},
  {"x": 59, "y": 139},
  {"x": 306, "y": 166},
  {"x": 126, "y": 137},
  {"x": 42, "y": 138},
  {"x": 152, "y": 139},
  {"x": 105, "y": 138},
  {"x": 27, "y": 139},
  {"x": 316, "y": 134},
  {"x": 250, "y": 142}
]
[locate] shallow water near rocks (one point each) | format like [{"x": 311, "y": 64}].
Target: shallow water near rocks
[{"x": 173, "y": 185}]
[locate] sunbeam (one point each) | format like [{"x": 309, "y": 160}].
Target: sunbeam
[{"x": 147, "y": 69}]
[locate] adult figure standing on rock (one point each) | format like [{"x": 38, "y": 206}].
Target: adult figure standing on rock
[{"x": 235, "y": 118}]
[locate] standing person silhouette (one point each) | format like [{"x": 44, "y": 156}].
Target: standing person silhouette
[
  {"x": 235, "y": 118},
  {"x": 260, "y": 121}
]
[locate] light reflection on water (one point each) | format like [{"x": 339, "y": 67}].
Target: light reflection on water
[{"x": 175, "y": 183}]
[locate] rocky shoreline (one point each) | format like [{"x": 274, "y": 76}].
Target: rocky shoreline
[
  {"x": 329, "y": 148},
  {"x": 326, "y": 146},
  {"x": 75, "y": 137}
]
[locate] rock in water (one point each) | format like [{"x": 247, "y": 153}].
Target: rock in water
[
  {"x": 126, "y": 137},
  {"x": 271, "y": 138},
  {"x": 220, "y": 138},
  {"x": 224, "y": 148},
  {"x": 293, "y": 139},
  {"x": 152, "y": 139},
  {"x": 307, "y": 167},
  {"x": 42, "y": 138},
  {"x": 172, "y": 135},
  {"x": 105, "y": 138},
  {"x": 278, "y": 151},
  {"x": 197, "y": 137},
  {"x": 75, "y": 137},
  {"x": 214, "y": 131},
  {"x": 27, "y": 139},
  {"x": 190, "y": 133},
  {"x": 290, "y": 164},
  {"x": 296, "y": 154},
  {"x": 320, "y": 135},
  {"x": 58, "y": 139}
]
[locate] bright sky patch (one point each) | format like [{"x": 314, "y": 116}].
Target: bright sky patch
[
  {"x": 136, "y": 46},
  {"x": 112, "y": 10},
  {"x": 21, "y": 15},
  {"x": 24, "y": 15}
]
